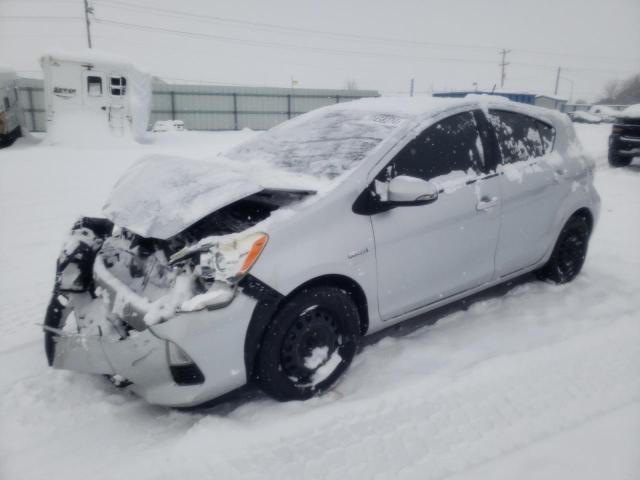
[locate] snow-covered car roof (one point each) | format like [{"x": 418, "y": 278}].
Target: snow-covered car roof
[
  {"x": 332, "y": 140},
  {"x": 422, "y": 107}
]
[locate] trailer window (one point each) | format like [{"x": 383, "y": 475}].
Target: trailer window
[
  {"x": 94, "y": 86},
  {"x": 118, "y": 86}
]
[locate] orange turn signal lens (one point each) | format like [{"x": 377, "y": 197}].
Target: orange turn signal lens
[{"x": 254, "y": 253}]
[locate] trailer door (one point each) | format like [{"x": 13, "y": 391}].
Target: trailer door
[
  {"x": 117, "y": 92},
  {"x": 94, "y": 96}
]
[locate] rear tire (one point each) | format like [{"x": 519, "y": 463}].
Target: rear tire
[
  {"x": 309, "y": 344},
  {"x": 569, "y": 253}
]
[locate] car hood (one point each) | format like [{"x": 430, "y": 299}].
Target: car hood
[{"x": 161, "y": 196}]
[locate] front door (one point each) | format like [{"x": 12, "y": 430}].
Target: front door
[{"x": 427, "y": 253}]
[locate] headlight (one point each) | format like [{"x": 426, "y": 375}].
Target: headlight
[
  {"x": 230, "y": 261},
  {"x": 220, "y": 265}
]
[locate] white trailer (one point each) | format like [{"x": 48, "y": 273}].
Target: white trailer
[
  {"x": 10, "y": 115},
  {"x": 92, "y": 95}
]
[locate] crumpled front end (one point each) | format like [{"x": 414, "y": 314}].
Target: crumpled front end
[
  {"x": 139, "y": 309},
  {"x": 166, "y": 316}
]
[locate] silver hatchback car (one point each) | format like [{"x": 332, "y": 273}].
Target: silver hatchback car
[{"x": 267, "y": 264}]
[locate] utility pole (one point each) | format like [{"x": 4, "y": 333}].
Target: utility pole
[
  {"x": 503, "y": 64},
  {"x": 555, "y": 92},
  {"x": 87, "y": 11},
  {"x": 411, "y": 88}
]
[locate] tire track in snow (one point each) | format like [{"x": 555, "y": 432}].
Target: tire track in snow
[{"x": 497, "y": 407}]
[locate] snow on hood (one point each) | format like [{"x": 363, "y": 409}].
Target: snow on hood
[{"x": 160, "y": 196}]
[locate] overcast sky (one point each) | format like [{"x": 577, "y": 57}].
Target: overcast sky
[{"x": 380, "y": 45}]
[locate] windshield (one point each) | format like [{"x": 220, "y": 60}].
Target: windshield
[{"x": 325, "y": 143}]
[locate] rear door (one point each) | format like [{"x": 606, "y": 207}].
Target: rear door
[
  {"x": 530, "y": 190},
  {"x": 427, "y": 253}
]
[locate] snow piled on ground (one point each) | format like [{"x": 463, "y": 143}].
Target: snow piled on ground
[{"x": 530, "y": 381}]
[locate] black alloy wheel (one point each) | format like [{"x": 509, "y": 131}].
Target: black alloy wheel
[
  {"x": 569, "y": 253},
  {"x": 309, "y": 344}
]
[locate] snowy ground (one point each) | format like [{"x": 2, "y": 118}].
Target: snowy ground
[{"x": 532, "y": 381}]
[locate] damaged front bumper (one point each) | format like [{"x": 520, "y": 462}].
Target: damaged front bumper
[
  {"x": 96, "y": 324},
  {"x": 212, "y": 343}
]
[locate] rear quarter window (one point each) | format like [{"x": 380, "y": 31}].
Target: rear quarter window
[
  {"x": 548, "y": 134},
  {"x": 521, "y": 137}
]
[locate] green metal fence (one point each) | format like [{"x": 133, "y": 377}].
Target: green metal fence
[{"x": 205, "y": 107}]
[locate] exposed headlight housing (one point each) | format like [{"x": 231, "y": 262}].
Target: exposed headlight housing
[
  {"x": 230, "y": 261},
  {"x": 220, "y": 264}
]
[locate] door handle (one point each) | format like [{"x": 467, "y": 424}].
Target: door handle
[{"x": 487, "y": 203}]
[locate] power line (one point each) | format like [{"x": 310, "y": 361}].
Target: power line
[
  {"x": 608, "y": 71},
  {"x": 270, "y": 44},
  {"x": 242, "y": 41},
  {"x": 299, "y": 30},
  {"x": 48, "y": 2},
  {"x": 37, "y": 17}
]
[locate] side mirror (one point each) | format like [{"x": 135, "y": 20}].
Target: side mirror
[
  {"x": 405, "y": 190},
  {"x": 401, "y": 191}
]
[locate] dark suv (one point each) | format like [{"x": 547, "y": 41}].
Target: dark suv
[{"x": 624, "y": 142}]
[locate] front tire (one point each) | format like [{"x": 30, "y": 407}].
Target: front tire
[
  {"x": 309, "y": 344},
  {"x": 616, "y": 160},
  {"x": 569, "y": 253}
]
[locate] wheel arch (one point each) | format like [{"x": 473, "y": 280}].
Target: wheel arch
[
  {"x": 268, "y": 306},
  {"x": 586, "y": 214}
]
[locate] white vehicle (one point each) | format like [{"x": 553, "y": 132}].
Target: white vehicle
[
  {"x": 605, "y": 112},
  {"x": 94, "y": 94},
  {"x": 168, "y": 126},
  {"x": 267, "y": 265},
  {"x": 9, "y": 109},
  {"x": 580, "y": 116}
]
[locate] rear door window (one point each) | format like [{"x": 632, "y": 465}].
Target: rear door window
[
  {"x": 518, "y": 136},
  {"x": 548, "y": 134},
  {"x": 453, "y": 144}
]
